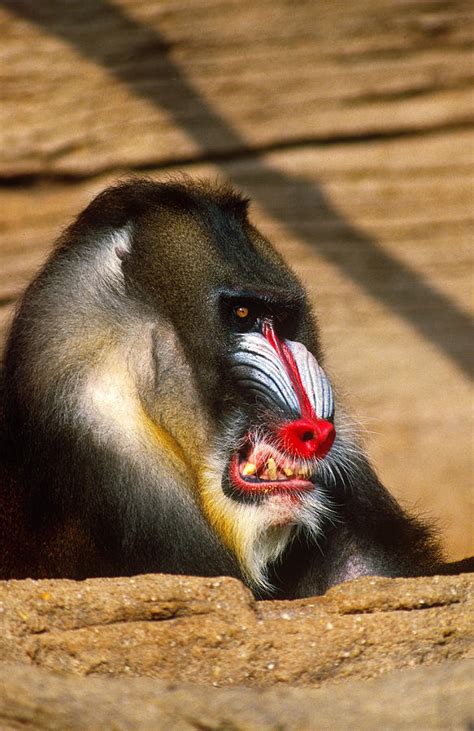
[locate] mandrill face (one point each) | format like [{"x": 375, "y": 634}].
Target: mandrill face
[{"x": 276, "y": 475}]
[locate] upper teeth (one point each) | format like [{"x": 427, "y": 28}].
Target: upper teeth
[
  {"x": 272, "y": 469},
  {"x": 269, "y": 470},
  {"x": 249, "y": 469}
]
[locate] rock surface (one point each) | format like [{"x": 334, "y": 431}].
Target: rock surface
[
  {"x": 213, "y": 632},
  {"x": 426, "y": 698},
  {"x": 191, "y": 635}
]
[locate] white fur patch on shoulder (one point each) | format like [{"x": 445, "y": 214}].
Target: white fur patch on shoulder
[{"x": 110, "y": 402}]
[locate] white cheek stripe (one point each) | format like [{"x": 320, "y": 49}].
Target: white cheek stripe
[
  {"x": 258, "y": 368},
  {"x": 314, "y": 380},
  {"x": 261, "y": 370}
]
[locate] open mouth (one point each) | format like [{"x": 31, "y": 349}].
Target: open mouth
[{"x": 263, "y": 469}]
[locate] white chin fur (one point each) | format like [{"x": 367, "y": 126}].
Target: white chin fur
[{"x": 259, "y": 533}]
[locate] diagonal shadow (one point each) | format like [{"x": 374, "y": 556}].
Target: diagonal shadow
[{"x": 433, "y": 314}]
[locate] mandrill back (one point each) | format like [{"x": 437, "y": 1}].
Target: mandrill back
[{"x": 166, "y": 409}]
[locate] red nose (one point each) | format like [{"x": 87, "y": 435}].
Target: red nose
[{"x": 308, "y": 438}]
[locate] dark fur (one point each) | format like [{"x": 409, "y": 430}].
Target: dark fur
[{"x": 73, "y": 505}]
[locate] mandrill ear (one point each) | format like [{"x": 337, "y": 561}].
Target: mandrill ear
[
  {"x": 120, "y": 252},
  {"x": 121, "y": 241}
]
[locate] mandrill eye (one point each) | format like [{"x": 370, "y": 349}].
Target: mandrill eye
[
  {"x": 242, "y": 312},
  {"x": 239, "y": 313},
  {"x": 242, "y": 317}
]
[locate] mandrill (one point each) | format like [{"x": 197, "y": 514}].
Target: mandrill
[{"x": 165, "y": 410}]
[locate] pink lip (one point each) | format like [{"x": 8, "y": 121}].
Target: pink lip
[{"x": 263, "y": 486}]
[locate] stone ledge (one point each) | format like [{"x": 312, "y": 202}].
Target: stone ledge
[{"x": 212, "y": 631}]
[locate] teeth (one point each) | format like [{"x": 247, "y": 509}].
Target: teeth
[
  {"x": 270, "y": 472},
  {"x": 249, "y": 469},
  {"x": 272, "y": 469}
]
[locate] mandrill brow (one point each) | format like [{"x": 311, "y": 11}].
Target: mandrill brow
[{"x": 166, "y": 409}]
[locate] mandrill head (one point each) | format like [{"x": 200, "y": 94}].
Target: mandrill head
[{"x": 165, "y": 389}]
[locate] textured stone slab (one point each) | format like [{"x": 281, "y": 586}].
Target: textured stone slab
[
  {"x": 211, "y": 631},
  {"x": 424, "y": 698}
]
